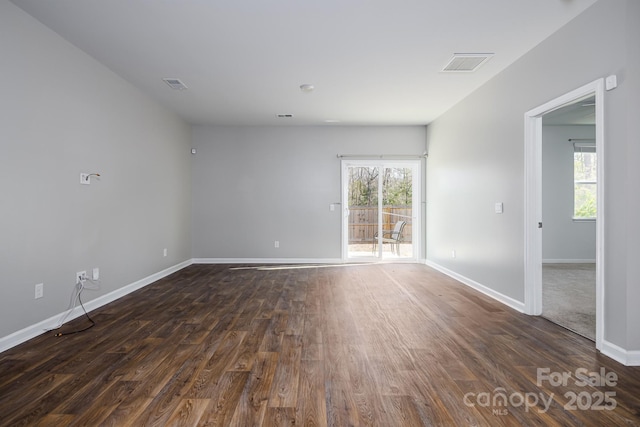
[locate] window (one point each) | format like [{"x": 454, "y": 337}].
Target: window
[{"x": 584, "y": 181}]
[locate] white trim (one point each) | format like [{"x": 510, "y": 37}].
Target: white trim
[
  {"x": 504, "y": 299},
  {"x": 619, "y": 354},
  {"x": 532, "y": 216},
  {"x": 39, "y": 328},
  {"x": 568, "y": 261},
  {"x": 267, "y": 261},
  {"x": 533, "y": 201}
]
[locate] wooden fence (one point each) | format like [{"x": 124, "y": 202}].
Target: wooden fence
[{"x": 363, "y": 222}]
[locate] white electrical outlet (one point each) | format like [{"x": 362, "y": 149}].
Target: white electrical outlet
[
  {"x": 453, "y": 253},
  {"x": 39, "y": 290},
  {"x": 85, "y": 179},
  {"x": 164, "y": 252},
  {"x": 81, "y": 276},
  {"x": 96, "y": 274},
  {"x": 276, "y": 244}
]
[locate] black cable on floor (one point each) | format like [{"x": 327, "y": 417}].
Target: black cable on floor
[{"x": 59, "y": 334}]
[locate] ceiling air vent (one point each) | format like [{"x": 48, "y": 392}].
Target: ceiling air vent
[
  {"x": 466, "y": 62},
  {"x": 175, "y": 84},
  {"x": 284, "y": 116}
]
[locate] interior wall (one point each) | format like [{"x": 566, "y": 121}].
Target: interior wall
[
  {"x": 255, "y": 185},
  {"x": 631, "y": 79},
  {"x": 62, "y": 113},
  {"x": 563, "y": 239},
  {"x": 476, "y": 158}
]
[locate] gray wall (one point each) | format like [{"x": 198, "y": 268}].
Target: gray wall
[
  {"x": 255, "y": 185},
  {"x": 476, "y": 157},
  {"x": 563, "y": 239},
  {"x": 62, "y": 113},
  {"x": 632, "y": 225}
]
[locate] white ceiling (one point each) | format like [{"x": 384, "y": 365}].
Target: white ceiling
[{"x": 371, "y": 61}]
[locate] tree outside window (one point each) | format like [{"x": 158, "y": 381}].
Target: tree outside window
[{"x": 585, "y": 183}]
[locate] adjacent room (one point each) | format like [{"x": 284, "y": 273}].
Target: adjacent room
[
  {"x": 319, "y": 213},
  {"x": 569, "y": 213}
]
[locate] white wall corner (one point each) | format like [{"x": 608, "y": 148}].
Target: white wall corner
[{"x": 504, "y": 299}]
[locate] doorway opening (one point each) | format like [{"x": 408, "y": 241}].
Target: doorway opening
[
  {"x": 535, "y": 222},
  {"x": 569, "y": 213},
  {"x": 381, "y": 207}
]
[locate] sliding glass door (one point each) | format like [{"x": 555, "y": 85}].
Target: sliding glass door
[{"x": 381, "y": 210}]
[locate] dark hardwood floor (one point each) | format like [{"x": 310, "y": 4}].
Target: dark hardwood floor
[{"x": 380, "y": 345}]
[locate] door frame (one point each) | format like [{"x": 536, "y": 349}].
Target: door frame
[
  {"x": 416, "y": 208},
  {"x": 533, "y": 201}
]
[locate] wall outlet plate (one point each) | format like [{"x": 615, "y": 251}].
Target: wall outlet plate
[
  {"x": 96, "y": 273},
  {"x": 39, "y": 290},
  {"x": 81, "y": 276},
  {"x": 85, "y": 179}
]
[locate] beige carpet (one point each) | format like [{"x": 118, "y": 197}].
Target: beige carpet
[{"x": 569, "y": 297}]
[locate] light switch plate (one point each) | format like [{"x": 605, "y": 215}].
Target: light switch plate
[{"x": 499, "y": 207}]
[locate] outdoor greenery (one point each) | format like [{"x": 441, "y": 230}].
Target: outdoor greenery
[
  {"x": 585, "y": 184},
  {"x": 363, "y": 186}
]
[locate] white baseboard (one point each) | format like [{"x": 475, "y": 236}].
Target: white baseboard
[
  {"x": 619, "y": 354},
  {"x": 515, "y": 304},
  {"x": 267, "y": 261},
  {"x": 568, "y": 261},
  {"x": 39, "y": 328}
]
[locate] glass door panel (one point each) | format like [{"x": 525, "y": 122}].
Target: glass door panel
[
  {"x": 363, "y": 210},
  {"x": 397, "y": 213}
]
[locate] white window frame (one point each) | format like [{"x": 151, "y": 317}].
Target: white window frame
[{"x": 584, "y": 148}]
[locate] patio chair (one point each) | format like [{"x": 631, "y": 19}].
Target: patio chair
[{"x": 393, "y": 237}]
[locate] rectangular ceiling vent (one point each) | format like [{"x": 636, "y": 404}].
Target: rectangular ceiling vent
[
  {"x": 284, "y": 116},
  {"x": 175, "y": 84},
  {"x": 466, "y": 62}
]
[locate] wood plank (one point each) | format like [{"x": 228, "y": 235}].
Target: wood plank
[
  {"x": 224, "y": 399},
  {"x": 280, "y": 417},
  {"x": 252, "y": 404},
  {"x": 311, "y": 409},
  {"x": 284, "y": 390},
  {"x": 188, "y": 412}
]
